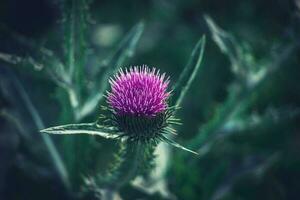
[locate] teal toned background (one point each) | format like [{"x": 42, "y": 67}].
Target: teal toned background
[{"x": 252, "y": 155}]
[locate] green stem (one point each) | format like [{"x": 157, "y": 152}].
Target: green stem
[
  {"x": 133, "y": 159},
  {"x": 134, "y": 153}
]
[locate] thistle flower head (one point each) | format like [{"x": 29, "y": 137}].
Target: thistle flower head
[
  {"x": 139, "y": 91},
  {"x": 138, "y": 102}
]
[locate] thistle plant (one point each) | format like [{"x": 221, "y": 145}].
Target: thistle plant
[
  {"x": 138, "y": 111},
  {"x": 113, "y": 122},
  {"x": 67, "y": 69},
  {"x": 138, "y": 115}
]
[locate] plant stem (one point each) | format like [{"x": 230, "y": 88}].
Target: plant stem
[
  {"x": 132, "y": 159},
  {"x": 130, "y": 166}
]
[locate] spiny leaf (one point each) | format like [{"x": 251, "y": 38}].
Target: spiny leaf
[
  {"x": 52, "y": 68},
  {"x": 221, "y": 116},
  {"x": 224, "y": 40},
  {"x": 271, "y": 118},
  {"x": 41, "y": 58},
  {"x": 238, "y": 101},
  {"x": 255, "y": 170},
  {"x": 189, "y": 73},
  {"x": 228, "y": 45},
  {"x": 243, "y": 64},
  {"x": 24, "y": 61},
  {"x": 9, "y": 58},
  {"x": 124, "y": 51},
  {"x": 175, "y": 144},
  {"x": 83, "y": 128},
  {"x": 240, "y": 97}
]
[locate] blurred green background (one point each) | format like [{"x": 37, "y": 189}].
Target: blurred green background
[{"x": 248, "y": 137}]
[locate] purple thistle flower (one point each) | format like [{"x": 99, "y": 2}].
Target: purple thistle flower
[{"x": 139, "y": 91}]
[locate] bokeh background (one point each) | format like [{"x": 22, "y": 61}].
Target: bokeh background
[{"x": 254, "y": 155}]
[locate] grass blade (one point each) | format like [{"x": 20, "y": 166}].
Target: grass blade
[
  {"x": 57, "y": 161},
  {"x": 124, "y": 51},
  {"x": 189, "y": 73}
]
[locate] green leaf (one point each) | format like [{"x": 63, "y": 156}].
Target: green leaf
[
  {"x": 11, "y": 59},
  {"x": 125, "y": 50},
  {"x": 52, "y": 67},
  {"x": 175, "y": 144},
  {"x": 41, "y": 58},
  {"x": 189, "y": 73},
  {"x": 224, "y": 40},
  {"x": 238, "y": 101},
  {"x": 83, "y": 128},
  {"x": 243, "y": 63},
  {"x": 251, "y": 123},
  {"x": 241, "y": 96},
  {"x": 255, "y": 170},
  {"x": 54, "y": 155},
  {"x": 126, "y": 47},
  {"x": 228, "y": 45}
]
